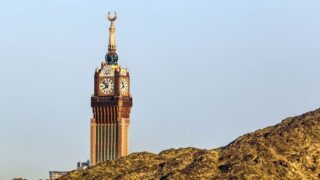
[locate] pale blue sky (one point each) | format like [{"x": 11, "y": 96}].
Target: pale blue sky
[{"x": 203, "y": 72}]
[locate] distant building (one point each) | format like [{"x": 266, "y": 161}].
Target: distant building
[
  {"x": 83, "y": 165},
  {"x": 56, "y": 174},
  {"x": 80, "y": 166}
]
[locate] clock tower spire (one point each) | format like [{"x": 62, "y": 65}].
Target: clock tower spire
[
  {"x": 112, "y": 56},
  {"x": 111, "y": 105}
]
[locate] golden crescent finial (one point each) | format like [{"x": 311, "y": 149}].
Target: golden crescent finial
[{"x": 110, "y": 18}]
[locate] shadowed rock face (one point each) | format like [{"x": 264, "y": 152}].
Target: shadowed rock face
[{"x": 289, "y": 150}]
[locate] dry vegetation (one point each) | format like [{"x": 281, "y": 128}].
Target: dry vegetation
[{"x": 289, "y": 150}]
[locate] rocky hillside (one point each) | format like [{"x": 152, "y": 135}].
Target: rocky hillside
[{"x": 289, "y": 150}]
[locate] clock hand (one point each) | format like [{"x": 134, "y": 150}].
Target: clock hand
[{"x": 106, "y": 84}]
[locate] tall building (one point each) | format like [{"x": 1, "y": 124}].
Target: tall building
[{"x": 111, "y": 104}]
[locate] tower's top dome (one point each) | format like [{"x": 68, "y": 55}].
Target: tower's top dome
[{"x": 112, "y": 58}]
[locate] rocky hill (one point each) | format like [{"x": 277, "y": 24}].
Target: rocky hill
[{"x": 289, "y": 150}]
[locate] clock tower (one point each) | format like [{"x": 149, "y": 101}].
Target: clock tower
[{"x": 111, "y": 104}]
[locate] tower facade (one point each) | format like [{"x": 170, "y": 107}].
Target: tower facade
[{"x": 111, "y": 105}]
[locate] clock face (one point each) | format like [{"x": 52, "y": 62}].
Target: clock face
[
  {"x": 124, "y": 87},
  {"x": 106, "y": 86}
]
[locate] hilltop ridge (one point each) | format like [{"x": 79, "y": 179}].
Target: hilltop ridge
[{"x": 288, "y": 150}]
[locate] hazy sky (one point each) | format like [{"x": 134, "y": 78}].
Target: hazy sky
[{"x": 202, "y": 73}]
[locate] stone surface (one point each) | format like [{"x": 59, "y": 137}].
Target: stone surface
[{"x": 289, "y": 150}]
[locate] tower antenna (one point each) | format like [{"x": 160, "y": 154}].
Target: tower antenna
[{"x": 112, "y": 56}]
